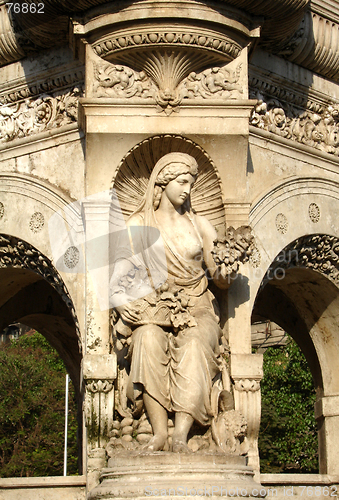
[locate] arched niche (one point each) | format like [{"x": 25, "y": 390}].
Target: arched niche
[{"x": 130, "y": 181}]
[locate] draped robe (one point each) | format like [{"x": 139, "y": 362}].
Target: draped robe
[{"x": 177, "y": 369}]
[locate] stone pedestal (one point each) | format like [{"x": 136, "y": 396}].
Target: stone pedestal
[{"x": 138, "y": 476}]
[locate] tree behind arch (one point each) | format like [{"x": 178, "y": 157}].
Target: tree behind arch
[
  {"x": 288, "y": 434},
  {"x": 32, "y": 410}
]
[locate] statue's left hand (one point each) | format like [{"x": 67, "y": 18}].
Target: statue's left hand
[{"x": 129, "y": 313}]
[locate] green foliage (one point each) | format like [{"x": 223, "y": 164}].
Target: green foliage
[
  {"x": 288, "y": 435},
  {"x": 32, "y": 410}
]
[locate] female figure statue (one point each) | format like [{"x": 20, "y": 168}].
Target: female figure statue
[{"x": 172, "y": 365}]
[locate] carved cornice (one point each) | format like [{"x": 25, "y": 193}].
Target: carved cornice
[
  {"x": 309, "y": 39},
  {"x": 24, "y": 88},
  {"x": 307, "y": 117},
  {"x": 127, "y": 46}
]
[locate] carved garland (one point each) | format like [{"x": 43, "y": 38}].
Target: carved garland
[
  {"x": 32, "y": 116},
  {"x": 19, "y": 254},
  {"x": 317, "y": 252}
]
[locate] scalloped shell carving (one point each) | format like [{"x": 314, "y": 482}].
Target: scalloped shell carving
[{"x": 130, "y": 181}]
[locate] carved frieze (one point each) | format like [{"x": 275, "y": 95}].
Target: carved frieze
[
  {"x": 115, "y": 80},
  {"x": 31, "y": 116},
  {"x": 34, "y": 88},
  {"x": 316, "y": 126}
]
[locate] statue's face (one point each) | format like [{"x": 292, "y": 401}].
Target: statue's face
[{"x": 178, "y": 190}]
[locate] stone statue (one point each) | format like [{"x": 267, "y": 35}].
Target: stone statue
[{"x": 165, "y": 306}]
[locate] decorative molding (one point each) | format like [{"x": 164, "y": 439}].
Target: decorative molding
[
  {"x": 22, "y": 89},
  {"x": 2, "y": 210},
  {"x": 318, "y": 252},
  {"x": 159, "y": 37},
  {"x": 36, "y": 115}
]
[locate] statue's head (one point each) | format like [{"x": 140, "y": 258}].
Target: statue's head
[{"x": 168, "y": 168}]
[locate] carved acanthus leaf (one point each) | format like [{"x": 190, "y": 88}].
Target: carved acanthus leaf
[
  {"x": 95, "y": 386},
  {"x": 32, "y": 116},
  {"x": 247, "y": 385}
]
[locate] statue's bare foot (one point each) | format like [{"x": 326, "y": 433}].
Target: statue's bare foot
[
  {"x": 180, "y": 446},
  {"x": 157, "y": 443}
]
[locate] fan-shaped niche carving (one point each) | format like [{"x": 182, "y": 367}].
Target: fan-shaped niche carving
[{"x": 130, "y": 181}]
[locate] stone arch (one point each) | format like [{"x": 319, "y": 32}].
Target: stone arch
[
  {"x": 32, "y": 292},
  {"x": 300, "y": 292},
  {"x": 133, "y": 172}
]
